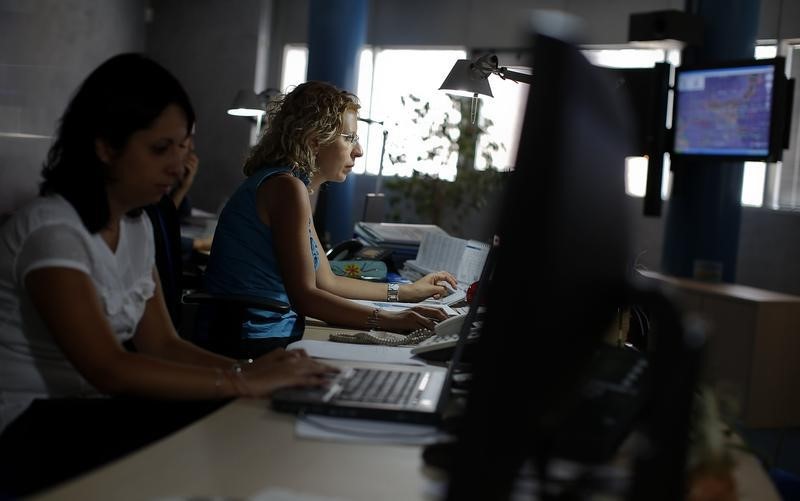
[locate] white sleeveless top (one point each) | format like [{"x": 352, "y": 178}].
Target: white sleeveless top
[{"x": 49, "y": 233}]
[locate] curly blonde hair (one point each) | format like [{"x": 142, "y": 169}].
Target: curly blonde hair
[{"x": 309, "y": 116}]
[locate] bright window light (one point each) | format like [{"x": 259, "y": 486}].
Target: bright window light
[
  {"x": 766, "y": 51},
  {"x": 370, "y": 133},
  {"x": 753, "y": 184},
  {"x": 755, "y": 172},
  {"x": 295, "y": 63},
  {"x": 505, "y": 112},
  {"x": 393, "y": 83},
  {"x": 666, "y": 178},
  {"x": 406, "y": 98},
  {"x": 635, "y": 176},
  {"x": 625, "y": 58}
]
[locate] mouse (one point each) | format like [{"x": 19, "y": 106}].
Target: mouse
[{"x": 448, "y": 289}]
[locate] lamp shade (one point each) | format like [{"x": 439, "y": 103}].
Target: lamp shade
[
  {"x": 466, "y": 79},
  {"x": 246, "y": 104}
]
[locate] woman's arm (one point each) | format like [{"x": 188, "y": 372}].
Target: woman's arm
[
  {"x": 190, "y": 167},
  {"x": 284, "y": 205},
  {"x": 156, "y": 336},
  {"x": 353, "y": 288},
  {"x": 72, "y": 311}
]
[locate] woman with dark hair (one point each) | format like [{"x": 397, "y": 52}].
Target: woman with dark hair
[
  {"x": 77, "y": 279},
  {"x": 265, "y": 243}
]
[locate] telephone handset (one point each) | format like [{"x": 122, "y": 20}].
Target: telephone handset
[
  {"x": 449, "y": 326},
  {"x": 354, "y": 250},
  {"x": 440, "y": 346}
]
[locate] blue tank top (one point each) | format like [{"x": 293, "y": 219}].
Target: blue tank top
[{"x": 243, "y": 261}]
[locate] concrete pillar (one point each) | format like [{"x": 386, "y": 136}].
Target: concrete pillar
[
  {"x": 702, "y": 226},
  {"x": 337, "y": 31}
]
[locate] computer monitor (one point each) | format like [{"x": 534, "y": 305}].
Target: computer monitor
[
  {"x": 647, "y": 90},
  {"x": 731, "y": 111},
  {"x": 560, "y": 272}
]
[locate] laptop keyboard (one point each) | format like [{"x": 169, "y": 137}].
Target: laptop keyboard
[{"x": 379, "y": 386}]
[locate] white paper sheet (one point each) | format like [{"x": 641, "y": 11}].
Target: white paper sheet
[
  {"x": 366, "y": 431},
  {"x": 357, "y": 352}
]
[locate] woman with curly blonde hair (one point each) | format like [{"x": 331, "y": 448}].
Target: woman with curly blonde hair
[{"x": 265, "y": 244}]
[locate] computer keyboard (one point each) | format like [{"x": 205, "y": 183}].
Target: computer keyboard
[{"x": 384, "y": 386}]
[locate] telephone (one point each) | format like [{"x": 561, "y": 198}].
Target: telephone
[
  {"x": 353, "y": 259},
  {"x": 443, "y": 332},
  {"x": 440, "y": 346},
  {"x": 355, "y": 250}
]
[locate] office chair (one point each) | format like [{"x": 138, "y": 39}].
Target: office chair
[{"x": 218, "y": 321}]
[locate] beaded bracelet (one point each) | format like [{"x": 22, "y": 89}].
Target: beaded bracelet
[
  {"x": 236, "y": 377},
  {"x": 372, "y": 321}
]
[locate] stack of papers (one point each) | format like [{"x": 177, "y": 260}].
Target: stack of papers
[
  {"x": 463, "y": 258},
  {"x": 357, "y": 352},
  {"x": 403, "y": 239}
]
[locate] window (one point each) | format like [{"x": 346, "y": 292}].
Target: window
[
  {"x": 295, "y": 64},
  {"x": 402, "y": 91},
  {"x": 755, "y": 172},
  {"x": 782, "y": 188},
  {"x": 399, "y": 87},
  {"x": 500, "y": 119}
]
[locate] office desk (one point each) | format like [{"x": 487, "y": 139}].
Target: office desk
[
  {"x": 245, "y": 448},
  {"x": 753, "y": 348}
]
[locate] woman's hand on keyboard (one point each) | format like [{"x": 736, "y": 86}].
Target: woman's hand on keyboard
[
  {"x": 281, "y": 368},
  {"x": 418, "y": 317}
]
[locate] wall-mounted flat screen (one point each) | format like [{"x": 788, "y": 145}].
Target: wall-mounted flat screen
[{"x": 732, "y": 111}]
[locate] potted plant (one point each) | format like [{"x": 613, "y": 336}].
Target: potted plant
[{"x": 431, "y": 198}]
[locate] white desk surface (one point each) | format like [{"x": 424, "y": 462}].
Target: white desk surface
[{"x": 245, "y": 448}]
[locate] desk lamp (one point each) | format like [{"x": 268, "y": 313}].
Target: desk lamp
[
  {"x": 470, "y": 78},
  {"x": 249, "y": 104},
  {"x": 374, "y": 202}
]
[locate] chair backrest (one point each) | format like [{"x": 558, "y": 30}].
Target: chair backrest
[
  {"x": 169, "y": 262},
  {"x": 218, "y": 323}
]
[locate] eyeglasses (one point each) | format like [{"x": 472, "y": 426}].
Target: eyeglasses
[{"x": 351, "y": 138}]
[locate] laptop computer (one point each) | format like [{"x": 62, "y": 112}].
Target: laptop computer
[{"x": 381, "y": 391}]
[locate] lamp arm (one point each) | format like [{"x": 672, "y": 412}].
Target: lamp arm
[{"x": 514, "y": 76}]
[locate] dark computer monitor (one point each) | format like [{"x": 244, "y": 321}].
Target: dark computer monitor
[
  {"x": 647, "y": 90},
  {"x": 731, "y": 111},
  {"x": 560, "y": 270}
]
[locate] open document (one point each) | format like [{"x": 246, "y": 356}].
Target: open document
[{"x": 463, "y": 258}]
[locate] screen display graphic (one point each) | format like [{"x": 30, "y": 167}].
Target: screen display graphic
[{"x": 724, "y": 111}]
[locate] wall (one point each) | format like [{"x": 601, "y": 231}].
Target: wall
[
  {"x": 211, "y": 48},
  {"x": 768, "y": 239},
  {"x": 47, "y": 47}
]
